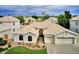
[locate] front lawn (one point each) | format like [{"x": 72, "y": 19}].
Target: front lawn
[{"x": 24, "y": 50}]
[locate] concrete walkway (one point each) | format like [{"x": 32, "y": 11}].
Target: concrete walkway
[
  {"x": 3, "y": 52},
  {"x": 62, "y": 49}
]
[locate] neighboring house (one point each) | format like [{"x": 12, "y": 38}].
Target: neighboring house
[
  {"x": 10, "y": 22},
  {"x": 40, "y": 19},
  {"x": 52, "y": 19},
  {"x": 74, "y": 24},
  {"x": 29, "y": 20},
  {"x": 45, "y": 32}
]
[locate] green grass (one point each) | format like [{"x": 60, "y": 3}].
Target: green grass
[{"x": 24, "y": 50}]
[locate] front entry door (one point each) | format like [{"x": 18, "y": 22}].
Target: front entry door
[{"x": 6, "y": 36}]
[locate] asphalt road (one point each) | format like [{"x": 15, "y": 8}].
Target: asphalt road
[{"x": 62, "y": 49}]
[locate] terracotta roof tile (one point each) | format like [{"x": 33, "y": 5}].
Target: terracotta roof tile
[
  {"x": 8, "y": 19},
  {"x": 49, "y": 28},
  {"x": 75, "y": 18}
]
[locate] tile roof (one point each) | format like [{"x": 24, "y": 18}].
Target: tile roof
[
  {"x": 26, "y": 29},
  {"x": 3, "y": 29},
  {"x": 55, "y": 29},
  {"x": 75, "y": 18},
  {"x": 49, "y": 28},
  {"x": 8, "y": 19},
  {"x": 51, "y": 19},
  {"x": 29, "y": 18},
  {"x": 40, "y": 25}
]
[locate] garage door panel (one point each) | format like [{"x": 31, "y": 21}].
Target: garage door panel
[{"x": 63, "y": 41}]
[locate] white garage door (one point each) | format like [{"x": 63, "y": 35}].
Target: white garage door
[{"x": 64, "y": 40}]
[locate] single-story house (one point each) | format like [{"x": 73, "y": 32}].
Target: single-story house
[{"x": 45, "y": 32}]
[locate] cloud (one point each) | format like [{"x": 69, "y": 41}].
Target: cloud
[{"x": 29, "y": 10}]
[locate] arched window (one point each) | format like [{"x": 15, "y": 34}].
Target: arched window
[
  {"x": 20, "y": 37},
  {"x": 29, "y": 38}
]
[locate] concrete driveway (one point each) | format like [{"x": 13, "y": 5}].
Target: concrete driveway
[{"x": 62, "y": 49}]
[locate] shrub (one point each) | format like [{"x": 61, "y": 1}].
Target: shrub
[
  {"x": 9, "y": 45},
  {"x": 3, "y": 42},
  {"x": 1, "y": 39},
  {"x": 2, "y": 49}
]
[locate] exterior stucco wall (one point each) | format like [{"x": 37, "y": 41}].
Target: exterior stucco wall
[
  {"x": 10, "y": 25},
  {"x": 49, "y": 38},
  {"x": 25, "y": 38},
  {"x": 34, "y": 38},
  {"x": 2, "y": 34},
  {"x": 16, "y": 38},
  {"x": 16, "y": 26},
  {"x": 73, "y": 26}
]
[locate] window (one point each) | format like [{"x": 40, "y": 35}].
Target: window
[
  {"x": 29, "y": 38},
  {"x": 76, "y": 23},
  {"x": 6, "y": 36},
  {"x": 20, "y": 37},
  {"x": 0, "y": 22},
  {"x": 13, "y": 23},
  {"x": 76, "y": 30}
]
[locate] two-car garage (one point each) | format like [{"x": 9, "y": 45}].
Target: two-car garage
[
  {"x": 65, "y": 38},
  {"x": 62, "y": 38}
]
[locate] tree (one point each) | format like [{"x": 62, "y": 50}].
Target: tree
[
  {"x": 36, "y": 17},
  {"x": 9, "y": 45},
  {"x": 45, "y": 17},
  {"x": 60, "y": 20},
  {"x": 67, "y": 15},
  {"x": 21, "y": 18},
  {"x": 1, "y": 16},
  {"x": 63, "y": 20}
]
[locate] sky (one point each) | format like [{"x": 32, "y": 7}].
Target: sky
[{"x": 30, "y": 10}]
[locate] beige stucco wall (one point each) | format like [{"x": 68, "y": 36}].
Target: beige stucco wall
[
  {"x": 25, "y": 38},
  {"x": 10, "y": 25},
  {"x": 49, "y": 38},
  {"x": 2, "y": 34},
  {"x": 34, "y": 38},
  {"x": 73, "y": 25}
]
